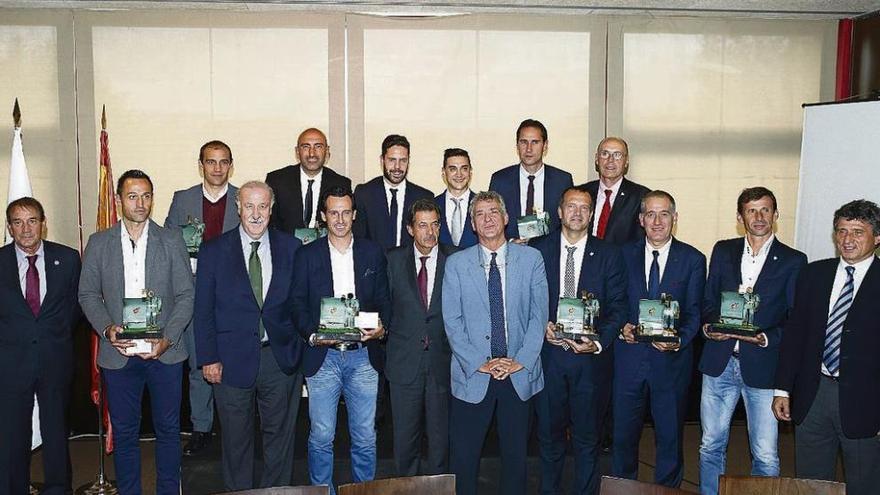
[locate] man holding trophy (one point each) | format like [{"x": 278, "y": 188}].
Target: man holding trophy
[{"x": 749, "y": 294}]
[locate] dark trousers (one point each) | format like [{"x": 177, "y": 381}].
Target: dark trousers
[
  {"x": 125, "y": 390},
  {"x": 276, "y": 396},
  {"x": 819, "y": 437},
  {"x": 425, "y": 397},
  {"x": 572, "y": 396},
  {"x": 16, "y": 409},
  {"x": 469, "y": 423}
]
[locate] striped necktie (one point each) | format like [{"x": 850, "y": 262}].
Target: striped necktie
[{"x": 834, "y": 329}]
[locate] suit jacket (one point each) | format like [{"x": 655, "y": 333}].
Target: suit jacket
[
  {"x": 287, "y": 213},
  {"x": 684, "y": 278},
  {"x": 168, "y": 274},
  {"x": 775, "y": 286},
  {"x": 468, "y": 237},
  {"x": 623, "y": 222},
  {"x": 373, "y": 221},
  {"x": 803, "y": 343},
  {"x": 412, "y": 323},
  {"x": 40, "y": 347},
  {"x": 313, "y": 279},
  {"x": 468, "y": 323},
  {"x": 506, "y": 183},
  {"x": 602, "y": 273},
  {"x": 187, "y": 203},
  {"x": 226, "y": 317}
]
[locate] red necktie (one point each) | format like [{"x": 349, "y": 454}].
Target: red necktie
[
  {"x": 422, "y": 279},
  {"x": 530, "y": 196},
  {"x": 603, "y": 217},
  {"x": 32, "y": 286}
]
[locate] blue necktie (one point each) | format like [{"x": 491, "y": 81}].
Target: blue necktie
[
  {"x": 654, "y": 277},
  {"x": 496, "y": 310},
  {"x": 834, "y": 329}
]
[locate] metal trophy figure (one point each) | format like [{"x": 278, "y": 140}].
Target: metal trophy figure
[
  {"x": 576, "y": 318},
  {"x": 535, "y": 225},
  {"x": 738, "y": 313},
  {"x": 308, "y": 234},
  {"x": 657, "y": 319},
  {"x": 192, "y": 231},
  {"x": 338, "y": 319}
]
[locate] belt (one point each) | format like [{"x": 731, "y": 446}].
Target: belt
[
  {"x": 735, "y": 354},
  {"x": 835, "y": 378},
  {"x": 348, "y": 346}
]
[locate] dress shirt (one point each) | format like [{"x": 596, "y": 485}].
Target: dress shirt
[
  {"x": 430, "y": 267},
  {"x": 401, "y": 192},
  {"x": 219, "y": 195},
  {"x": 524, "y": 189},
  {"x": 600, "y": 200},
  {"x": 450, "y": 208},
  {"x": 342, "y": 267},
  {"x": 264, "y": 252},
  {"x": 24, "y": 264},
  {"x": 750, "y": 267},
  {"x": 501, "y": 261},
  {"x": 134, "y": 261},
  {"x": 578, "y": 254},
  {"x": 316, "y": 192},
  {"x": 661, "y": 260}
]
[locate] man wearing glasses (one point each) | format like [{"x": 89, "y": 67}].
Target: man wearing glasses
[{"x": 616, "y": 198}]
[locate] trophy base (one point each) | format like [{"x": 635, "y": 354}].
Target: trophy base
[
  {"x": 137, "y": 334},
  {"x": 348, "y": 335},
  {"x": 730, "y": 329},
  {"x": 666, "y": 339},
  {"x": 577, "y": 336}
]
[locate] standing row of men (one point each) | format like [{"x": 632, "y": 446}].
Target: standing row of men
[{"x": 470, "y": 335}]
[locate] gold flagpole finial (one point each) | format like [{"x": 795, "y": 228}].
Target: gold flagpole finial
[
  {"x": 16, "y": 114},
  {"x": 103, "y": 117}
]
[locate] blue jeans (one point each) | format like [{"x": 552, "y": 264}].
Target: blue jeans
[
  {"x": 350, "y": 374},
  {"x": 717, "y": 403}
]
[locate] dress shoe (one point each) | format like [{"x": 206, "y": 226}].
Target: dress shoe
[{"x": 198, "y": 442}]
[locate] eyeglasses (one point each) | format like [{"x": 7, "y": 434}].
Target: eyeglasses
[{"x": 605, "y": 154}]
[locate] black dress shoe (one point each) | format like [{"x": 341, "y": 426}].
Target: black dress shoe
[{"x": 198, "y": 442}]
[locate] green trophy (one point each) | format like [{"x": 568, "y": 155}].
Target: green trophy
[
  {"x": 576, "y": 318},
  {"x": 657, "y": 320},
  {"x": 140, "y": 316},
  {"x": 307, "y": 235},
  {"x": 337, "y": 321},
  {"x": 535, "y": 225},
  {"x": 738, "y": 313},
  {"x": 193, "y": 231}
]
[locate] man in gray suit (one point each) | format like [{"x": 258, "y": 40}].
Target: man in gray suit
[
  {"x": 125, "y": 261},
  {"x": 213, "y": 203}
]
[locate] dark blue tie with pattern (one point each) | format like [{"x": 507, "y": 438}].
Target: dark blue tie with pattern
[{"x": 496, "y": 310}]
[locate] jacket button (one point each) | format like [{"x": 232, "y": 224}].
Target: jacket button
[
  {"x": 34, "y": 341},
  {"x": 487, "y": 337}
]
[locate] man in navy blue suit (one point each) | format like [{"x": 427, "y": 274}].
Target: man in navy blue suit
[
  {"x": 335, "y": 266},
  {"x": 577, "y": 374},
  {"x": 530, "y": 185},
  {"x": 383, "y": 202},
  {"x": 826, "y": 381},
  {"x": 246, "y": 343},
  {"x": 659, "y": 371},
  {"x": 455, "y": 222},
  {"x": 733, "y": 365}
]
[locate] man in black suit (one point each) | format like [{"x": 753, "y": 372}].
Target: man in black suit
[
  {"x": 298, "y": 187},
  {"x": 382, "y": 203},
  {"x": 417, "y": 364},
  {"x": 617, "y": 203},
  {"x": 38, "y": 311},
  {"x": 826, "y": 380}
]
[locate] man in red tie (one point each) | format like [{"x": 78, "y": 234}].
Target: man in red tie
[
  {"x": 38, "y": 312},
  {"x": 616, "y": 198}
]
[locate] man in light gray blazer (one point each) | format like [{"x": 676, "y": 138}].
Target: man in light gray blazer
[
  {"x": 213, "y": 203},
  {"x": 124, "y": 261},
  {"x": 495, "y": 308}
]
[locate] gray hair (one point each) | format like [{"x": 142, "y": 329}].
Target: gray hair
[
  {"x": 487, "y": 196},
  {"x": 255, "y": 184},
  {"x": 657, "y": 193},
  {"x": 861, "y": 210}
]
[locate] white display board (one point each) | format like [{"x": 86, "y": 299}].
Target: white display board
[{"x": 840, "y": 162}]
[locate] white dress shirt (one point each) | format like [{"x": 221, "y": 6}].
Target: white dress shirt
[
  {"x": 342, "y": 267},
  {"x": 212, "y": 198},
  {"x": 524, "y": 189},
  {"x": 401, "y": 193},
  {"x": 578, "y": 254},
  {"x": 661, "y": 259},
  {"x": 316, "y": 192},
  {"x": 750, "y": 267},
  {"x": 501, "y": 261},
  {"x": 600, "y": 201},
  {"x": 464, "y": 201},
  {"x": 264, "y": 252},
  {"x": 134, "y": 261},
  {"x": 430, "y": 267},
  {"x": 24, "y": 264}
]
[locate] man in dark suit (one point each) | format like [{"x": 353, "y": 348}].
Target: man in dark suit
[
  {"x": 577, "y": 374},
  {"x": 335, "y": 266},
  {"x": 39, "y": 311},
  {"x": 734, "y": 365},
  {"x": 298, "y": 187},
  {"x": 659, "y": 372},
  {"x": 826, "y": 380},
  {"x": 382, "y": 202},
  {"x": 213, "y": 203},
  {"x": 455, "y": 222},
  {"x": 125, "y": 261},
  {"x": 417, "y": 364},
  {"x": 246, "y": 343},
  {"x": 617, "y": 204},
  {"x": 530, "y": 185}
]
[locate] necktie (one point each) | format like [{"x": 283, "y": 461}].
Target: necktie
[
  {"x": 307, "y": 207},
  {"x": 255, "y": 273},
  {"x": 834, "y": 329},
  {"x": 32, "y": 286},
  {"x": 654, "y": 277},
  {"x": 603, "y": 217},
  {"x": 530, "y": 196},
  {"x": 570, "y": 287},
  {"x": 496, "y": 310},
  {"x": 422, "y": 279},
  {"x": 392, "y": 212},
  {"x": 456, "y": 221}
]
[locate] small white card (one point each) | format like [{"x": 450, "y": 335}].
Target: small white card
[
  {"x": 140, "y": 346},
  {"x": 193, "y": 263},
  {"x": 366, "y": 320}
]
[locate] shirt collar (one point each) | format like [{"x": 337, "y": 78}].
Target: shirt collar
[
  {"x": 662, "y": 249},
  {"x": 418, "y": 254},
  {"x": 861, "y": 266},
  {"x": 214, "y": 199},
  {"x": 500, "y": 257},
  {"x": 465, "y": 195},
  {"x": 747, "y": 249},
  {"x": 400, "y": 187},
  {"x": 581, "y": 244},
  {"x": 614, "y": 187},
  {"x": 340, "y": 253},
  {"x": 144, "y": 233},
  {"x": 21, "y": 256},
  {"x": 525, "y": 173},
  {"x": 304, "y": 178},
  {"x": 246, "y": 240}
]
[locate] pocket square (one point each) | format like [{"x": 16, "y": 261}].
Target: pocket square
[{"x": 369, "y": 271}]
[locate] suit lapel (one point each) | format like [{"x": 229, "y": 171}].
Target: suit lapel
[
  {"x": 277, "y": 264},
  {"x": 672, "y": 265},
  {"x": 587, "y": 267},
  {"x": 151, "y": 259},
  {"x": 639, "y": 255},
  {"x": 552, "y": 265},
  {"x": 436, "y": 292},
  {"x": 480, "y": 284},
  {"x": 359, "y": 270},
  {"x": 511, "y": 286},
  {"x": 870, "y": 284},
  {"x": 411, "y": 275},
  {"x": 10, "y": 267},
  {"x": 49, "y": 262},
  {"x": 734, "y": 258},
  {"x": 237, "y": 259},
  {"x": 116, "y": 259},
  {"x": 771, "y": 265}
]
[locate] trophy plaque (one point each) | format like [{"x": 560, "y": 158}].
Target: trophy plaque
[
  {"x": 737, "y": 313},
  {"x": 576, "y": 318},
  {"x": 140, "y": 317},
  {"x": 531, "y": 226},
  {"x": 657, "y": 320},
  {"x": 193, "y": 231},
  {"x": 307, "y": 235},
  {"x": 337, "y": 321}
]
